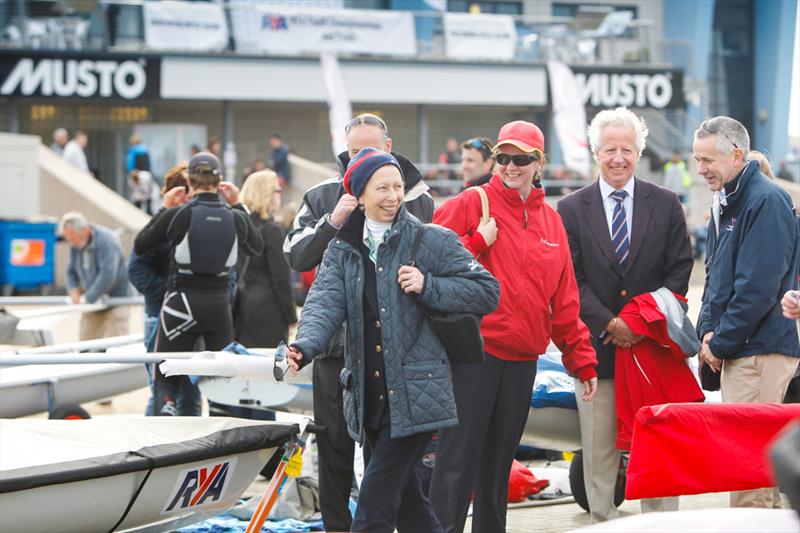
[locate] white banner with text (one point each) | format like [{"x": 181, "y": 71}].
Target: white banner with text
[
  {"x": 189, "y": 26},
  {"x": 295, "y": 31},
  {"x": 480, "y": 36}
]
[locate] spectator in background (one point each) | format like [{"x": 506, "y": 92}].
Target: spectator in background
[
  {"x": 60, "y": 140},
  {"x": 96, "y": 268},
  {"x": 451, "y": 156},
  {"x": 279, "y": 159},
  {"x": 677, "y": 177},
  {"x": 214, "y": 146},
  {"x": 138, "y": 156},
  {"x": 148, "y": 274},
  {"x": 763, "y": 163},
  {"x": 75, "y": 153},
  {"x": 259, "y": 164},
  {"x": 753, "y": 234},
  {"x": 264, "y": 308},
  {"x": 140, "y": 189},
  {"x": 194, "y": 150},
  {"x": 476, "y": 161}
]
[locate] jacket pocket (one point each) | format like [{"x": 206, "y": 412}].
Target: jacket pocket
[{"x": 430, "y": 392}]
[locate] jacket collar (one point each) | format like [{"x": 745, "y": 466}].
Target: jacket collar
[
  {"x": 734, "y": 189},
  {"x": 511, "y": 196}
]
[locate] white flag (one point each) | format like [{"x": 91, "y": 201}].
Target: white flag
[
  {"x": 570, "y": 118},
  {"x": 339, "y": 109}
]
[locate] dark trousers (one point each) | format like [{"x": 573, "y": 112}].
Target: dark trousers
[
  {"x": 391, "y": 493},
  {"x": 188, "y": 317},
  {"x": 493, "y": 400},
  {"x": 334, "y": 446}
]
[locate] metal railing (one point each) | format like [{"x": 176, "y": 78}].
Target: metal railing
[{"x": 119, "y": 26}]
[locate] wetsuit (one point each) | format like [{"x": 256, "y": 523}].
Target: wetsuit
[{"x": 205, "y": 237}]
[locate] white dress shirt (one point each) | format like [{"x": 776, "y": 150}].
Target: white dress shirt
[{"x": 609, "y": 203}]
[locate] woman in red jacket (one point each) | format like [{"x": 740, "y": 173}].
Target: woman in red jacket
[{"x": 525, "y": 246}]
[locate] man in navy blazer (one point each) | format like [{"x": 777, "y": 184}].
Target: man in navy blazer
[{"x": 627, "y": 237}]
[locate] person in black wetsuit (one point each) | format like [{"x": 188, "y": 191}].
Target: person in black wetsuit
[{"x": 205, "y": 236}]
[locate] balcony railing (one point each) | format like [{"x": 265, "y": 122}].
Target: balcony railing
[{"x": 119, "y": 26}]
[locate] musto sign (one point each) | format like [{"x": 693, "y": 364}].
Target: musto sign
[
  {"x": 659, "y": 89},
  {"x": 126, "y": 78}
]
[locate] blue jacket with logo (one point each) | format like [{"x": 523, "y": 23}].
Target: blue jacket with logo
[{"x": 749, "y": 266}]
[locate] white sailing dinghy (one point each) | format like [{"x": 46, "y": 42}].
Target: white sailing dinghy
[{"x": 128, "y": 473}]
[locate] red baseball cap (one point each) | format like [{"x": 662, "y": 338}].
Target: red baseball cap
[{"x": 524, "y": 135}]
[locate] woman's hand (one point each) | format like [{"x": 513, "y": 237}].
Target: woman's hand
[
  {"x": 410, "y": 279},
  {"x": 293, "y": 359},
  {"x": 589, "y": 389}
]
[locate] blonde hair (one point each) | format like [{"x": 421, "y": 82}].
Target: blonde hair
[
  {"x": 257, "y": 192},
  {"x": 763, "y": 162}
]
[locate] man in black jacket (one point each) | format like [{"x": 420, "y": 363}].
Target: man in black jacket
[{"x": 324, "y": 210}]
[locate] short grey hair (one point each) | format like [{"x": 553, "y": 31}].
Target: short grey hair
[
  {"x": 621, "y": 116},
  {"x": 72, "y": 220},
  {"x": 730, "y": 134}
]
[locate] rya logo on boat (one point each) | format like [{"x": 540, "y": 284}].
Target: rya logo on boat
[{"x": 200, "y": 485}]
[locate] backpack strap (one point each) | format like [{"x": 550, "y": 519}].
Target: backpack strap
[{"x": 484, "y": 203}]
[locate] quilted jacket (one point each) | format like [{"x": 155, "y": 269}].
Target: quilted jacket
[{"x": 417, "y": 369}]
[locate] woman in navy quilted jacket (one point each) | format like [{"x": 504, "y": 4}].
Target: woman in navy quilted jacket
[{"x": 397, "y": 385}]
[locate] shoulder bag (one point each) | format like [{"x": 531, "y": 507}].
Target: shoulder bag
[{"x": 459, "y": 333}]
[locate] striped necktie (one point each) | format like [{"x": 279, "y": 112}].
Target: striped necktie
[{"x": 619, "y": 230}]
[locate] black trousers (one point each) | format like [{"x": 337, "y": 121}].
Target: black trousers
[
  {"x": 334, "y": 446},
  {"x": 391, "y": 493},
  {"x": 493, "y": 400},
  {"x": 187, "y": 316}
]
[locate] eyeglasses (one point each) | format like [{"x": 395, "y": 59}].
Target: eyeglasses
[
  {"x": 713, "y": 129},
  {"x": 522, "y": 160},
  {"x": 372, "y": 120}
]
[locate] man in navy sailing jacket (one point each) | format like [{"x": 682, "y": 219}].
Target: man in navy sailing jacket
[{"x": 752, "y": 259}]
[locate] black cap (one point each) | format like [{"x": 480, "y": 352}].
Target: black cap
[{"x": 205, "y": 163}]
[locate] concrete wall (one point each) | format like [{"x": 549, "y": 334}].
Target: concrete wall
[{"x": 19, "y": 176}]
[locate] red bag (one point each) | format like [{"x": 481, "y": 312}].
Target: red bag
[
  {"x": 522, "y": 483},
  {"x": 689, "y": 448}
]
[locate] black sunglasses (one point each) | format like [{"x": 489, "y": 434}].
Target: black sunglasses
[
  {"x": 372, "y": 120},
  {"x": 714, "y": 129},
  {"x": 522, "y": 160}
]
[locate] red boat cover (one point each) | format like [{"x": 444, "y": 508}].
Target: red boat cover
[{"x": 690, "y": 448}]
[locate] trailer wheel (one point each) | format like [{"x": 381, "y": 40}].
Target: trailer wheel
[
  {"x": 578, "y": 488},
  {"x": 69, "y": 411}
]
